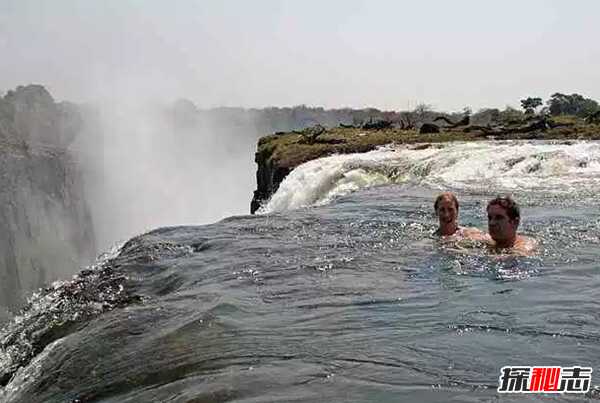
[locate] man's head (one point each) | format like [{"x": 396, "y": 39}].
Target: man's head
[
  {"x": 446, "y": 208},
  {"x": 503, "y": 220}
]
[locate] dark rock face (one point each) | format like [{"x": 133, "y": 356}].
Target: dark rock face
[
  {"x": 46, "y": 230},
  {"x": 268, "y": 177}
]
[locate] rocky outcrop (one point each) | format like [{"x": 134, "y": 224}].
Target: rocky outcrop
[
  {"x": 268, "y": 176},
  {"x": 46, "y": 231},
  {"x": 30, "y": 114}
]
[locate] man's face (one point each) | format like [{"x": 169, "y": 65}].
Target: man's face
[
  {"x": 500, "y": 226},
  {"x": 446, "y": 211}
]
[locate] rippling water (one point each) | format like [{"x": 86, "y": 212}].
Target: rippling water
[{"x": 348, "y": 301}]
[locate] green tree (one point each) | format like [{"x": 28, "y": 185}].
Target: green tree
[
  {"x": 574, "y": 104},
  {"x": 529, "y": 104}
]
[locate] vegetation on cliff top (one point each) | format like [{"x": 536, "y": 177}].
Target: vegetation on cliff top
[
  {"x": 291, "y": 149},
  {"x": 564, "y": 117}
]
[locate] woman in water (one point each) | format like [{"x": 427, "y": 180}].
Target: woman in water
[{"x": 446, "y": 208}]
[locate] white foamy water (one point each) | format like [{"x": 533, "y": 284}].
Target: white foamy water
[{"x": 507, "y": 166}]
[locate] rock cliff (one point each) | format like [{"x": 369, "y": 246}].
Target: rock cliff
[{"x": 46, "y": 231}]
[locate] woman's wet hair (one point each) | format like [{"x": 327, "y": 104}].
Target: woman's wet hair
[
  {"x": 508, "y": 204},
  {"x": 447, "y": 196}
]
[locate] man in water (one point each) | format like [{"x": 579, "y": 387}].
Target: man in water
[
  {"x": 446, "y": 208},
  {"x": 504, "y": 216}
]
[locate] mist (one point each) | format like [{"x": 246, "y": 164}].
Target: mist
[{"x": 148, "y": 164}]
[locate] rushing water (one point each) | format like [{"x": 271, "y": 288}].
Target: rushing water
[{"x": 348, "y": 300}]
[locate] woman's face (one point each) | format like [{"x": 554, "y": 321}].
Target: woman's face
[{"x": 446, "y": 212}]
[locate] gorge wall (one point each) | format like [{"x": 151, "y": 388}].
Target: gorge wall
[{"x": 46, "y": 231}]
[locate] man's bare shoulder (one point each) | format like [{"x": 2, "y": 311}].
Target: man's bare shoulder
[{"x": 525, "y": 246}]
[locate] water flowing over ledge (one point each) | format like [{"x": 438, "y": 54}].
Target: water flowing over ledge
[{"x": 498, "y": 166}]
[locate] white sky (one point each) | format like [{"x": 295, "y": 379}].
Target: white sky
[{"x": 384, "y": 54}]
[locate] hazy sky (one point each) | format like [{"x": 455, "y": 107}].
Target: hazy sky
[{"x": 330, "y": 53}]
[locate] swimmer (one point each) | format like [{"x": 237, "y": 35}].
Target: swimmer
[
  {"x": 446, "y": 208},
  {"x": 503, "y": 220}
]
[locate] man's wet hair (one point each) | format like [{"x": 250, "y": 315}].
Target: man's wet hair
[
  {"x": 445, "y": 195},
  {"x": 508, "y": 204}
]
